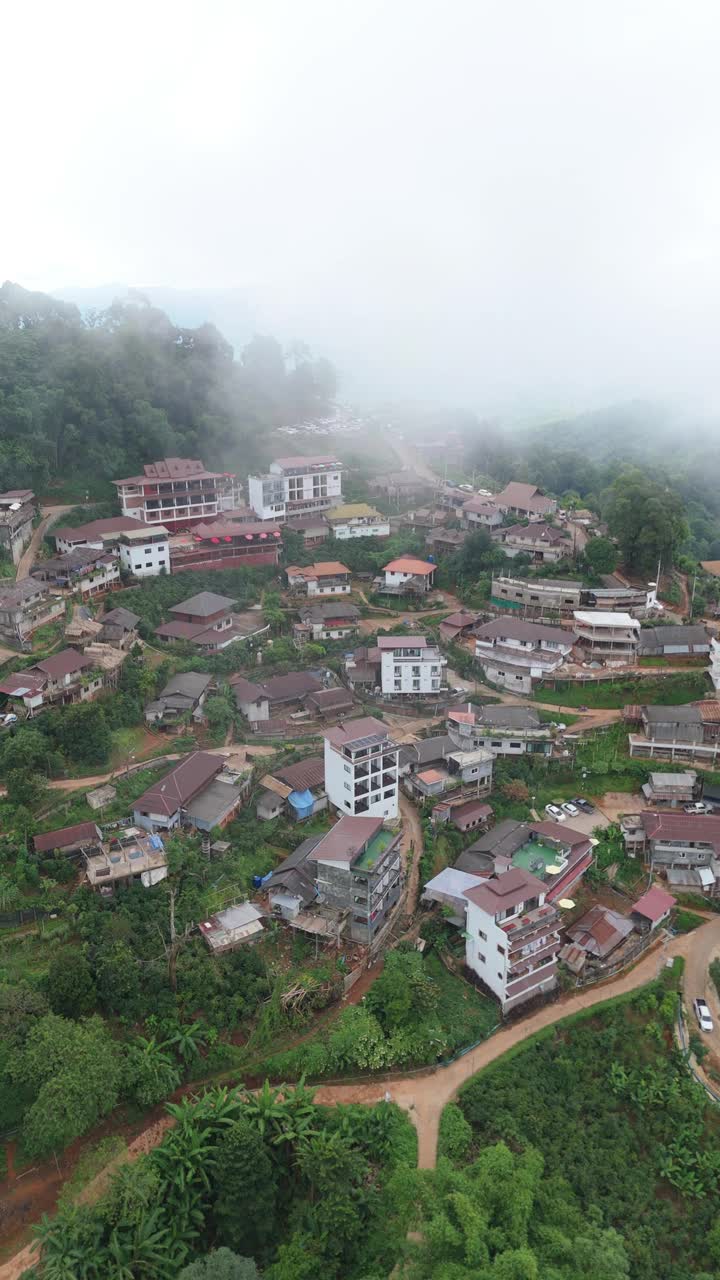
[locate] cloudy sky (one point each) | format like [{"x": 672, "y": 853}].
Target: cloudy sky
[{"x": 507, "y": 204}]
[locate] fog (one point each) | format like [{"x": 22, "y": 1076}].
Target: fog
[{"x": 510, "y": 205}]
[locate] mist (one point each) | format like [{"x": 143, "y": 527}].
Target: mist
[{"x": 512, "y": 206}]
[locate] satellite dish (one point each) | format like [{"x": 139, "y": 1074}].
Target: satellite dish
[{"x": 566, "y": 903}]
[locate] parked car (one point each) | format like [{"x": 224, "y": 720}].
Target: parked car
[
  {"x": 10, "y": 718},
  {"x": 582, "y": 707},
  {"x": 570, "y": 809},
  {"x": 703, "y": 1015},
  {"x": 555, "y": 812},
  {"x": 698, "y": 806},
  {"x": 584, "y": 805}
]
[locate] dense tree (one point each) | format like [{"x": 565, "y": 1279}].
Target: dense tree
[
  {"x": 647, "y": 519},
  {"x": 97, "y": 398},
  {"x": 221, "y": 1264},
  {"x": 151, "y": 1074},
  {"x": 601, "y": 555},
  {"x": 245, "y": 1182},
  {"x": 70, "y": 984},
  {"x": 403, "y": 992}
]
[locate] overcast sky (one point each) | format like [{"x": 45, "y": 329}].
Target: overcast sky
[{"x": 508, "y": 205}]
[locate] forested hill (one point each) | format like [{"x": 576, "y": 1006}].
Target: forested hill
[
  {"x": 93, "y": 397},
  {"x": 671, "y": 456}
]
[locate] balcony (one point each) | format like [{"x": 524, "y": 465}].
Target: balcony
[{"x": 545, "y": 917}]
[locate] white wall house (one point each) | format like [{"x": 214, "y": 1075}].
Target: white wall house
[
  {"x": 358, "y": 520},
  {"x": 515, "y": 654},
  {"x": 296, "y": 487},
  {"x": 714, "y": 669},
  {"x": 361, "y": 769},
  {"x": 607, "y": 637},
  {"x": 409, "y": 665},
  {"x": 324, "y": 578},
  {"x": 511, "y": 936},
  {"x": 145, "y": 553}
]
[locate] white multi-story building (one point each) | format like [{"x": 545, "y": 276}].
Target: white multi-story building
[
  {"x": 296, "y": 487},
  {"x": 361, "y": 769},
  {"x": 145, "y": 552},
  {"x": 357, "y": 520},
  {"x": 511, "y": 938},
  {"x": 515, "y": 654},
  {"x": 607, "y": 637},
  {"x": 714, "y": 669},
  {"x": 176, "y": 492},
  {"x": 409, "y": 664}
]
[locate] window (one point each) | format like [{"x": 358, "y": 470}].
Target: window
[
  {"x": 501, "y": 949},
  {"x": 516, "y": 746},
  {"x": 482, "y": 935},
  {"x": 498, "y": 745},
  {"x": 481, "y": 958},
  {"x": 499, "y": 974},
  {"x": 347, "y": 786},
  {"x": 347, "y": 768}
]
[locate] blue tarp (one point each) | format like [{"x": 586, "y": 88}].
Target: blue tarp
[{"x": 302, "y": 802}]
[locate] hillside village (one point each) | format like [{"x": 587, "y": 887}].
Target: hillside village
[{"x": 273, "y": 727}]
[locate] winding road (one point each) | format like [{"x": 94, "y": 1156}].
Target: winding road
[{"x": 29, "y": 555}]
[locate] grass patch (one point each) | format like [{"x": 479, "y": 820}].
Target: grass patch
[
  {"x": 672, "y": 690},
  {"x": 91, "y": 1163},
  {"x": 686, "y": 921}
]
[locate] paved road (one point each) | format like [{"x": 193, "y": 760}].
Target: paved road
[{"x": 29, "y": 555}]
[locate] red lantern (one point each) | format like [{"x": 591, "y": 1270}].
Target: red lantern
[
  {"x": 215, "y": 540},
  {"x": 228, "y": 539}
]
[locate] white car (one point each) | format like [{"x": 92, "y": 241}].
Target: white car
[
  {"x": 570, "y": 809},
  {"x": 702, "y": 1014},
  {"x": 554, "y": 811},
  {"x": 698, "y": 806},
  {"x": 10, "y": 719}
]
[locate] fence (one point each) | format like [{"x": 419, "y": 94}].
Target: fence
[
  {"x": 687, "y": 1055},
  {"x": 26, "y": 915}
]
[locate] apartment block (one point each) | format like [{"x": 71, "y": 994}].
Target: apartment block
[
  {"x": 177, "y": 492},
  {"x": 512, "y": 937},
  {"x": 410, "y": 665},
  {"x": 361, "y": 768},
  {"x": 296, "y": 486}
]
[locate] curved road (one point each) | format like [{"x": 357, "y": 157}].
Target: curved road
[
  {"x": 425, "y": 1094},
  {"x": 29, "y": 555}
]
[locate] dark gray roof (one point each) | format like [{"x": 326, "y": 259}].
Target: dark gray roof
[
  {"x": 319, "y": 612},
  {"x": 203, "y": 604},
  {"x": 121, "y": 618},
  {"x": 428, "y": 750},
  {"x": 294, "y": 875},
  {"x": 653, "y": 638},
  {"x": 16, "y": 593},
  {"x": 189, "y": 684},
  {"x": 505, "y": 838},
  {"x": 213, "y": 802},
  {"x": 673, "y": 715},
  {"x": 304, "y": 774},
  {"x": 509, "y": 717},
  {"x": 518, "y": 629}
]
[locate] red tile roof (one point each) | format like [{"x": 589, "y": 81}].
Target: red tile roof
[
  {"x": 98, "y": 528},
  {"x": 346, "y": 839},
  {"x": 408, "y": 564},
  {"x": 654, "y": 904},
  {"x": 64, "y": 837},
  {"x": 500, "y": 893},
  {"x": 179, "y": 786},
  {"x": 63, "y": 664}
]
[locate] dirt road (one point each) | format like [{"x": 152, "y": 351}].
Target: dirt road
[
  {"x": 412, "y": 845},
  {"x": 425, "y": 1096},
  {"x": 697, "y": 982},
  {"x": 29, "y": 555}
]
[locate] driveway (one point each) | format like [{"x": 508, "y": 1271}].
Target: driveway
[{"x": 697, "y": 982}]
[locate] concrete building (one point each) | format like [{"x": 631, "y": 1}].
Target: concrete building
[
  {"x": 481, "y": 513},
  {"x": 357, "y": 520},
  {"x": 525, "y": 500},
  {"x": 503, "y": 730},
  {"x": 313, "y": 529},
  {"x": 358, "y": 870},
  {"x": 713, "y": 669},
  {"x": 445, "y": 542},
  {"x": 410, "y": 665},
  {"x": 17, "y": 512},
  {"x": 512, "y": 938},
  {"x": 63, "y": 678},
  {"x": 177, "y": 493},
  {"x": 682, "y": 847},
  {"x": 544, "y": 543},
  {"x": 406, "y": 575},
  {"x": 325, "y": 578},
  {"x": 130, "y": 856},
  {"x": 611, "y": 638},
  {"x": 85, "y": 570},
  {"x": 145, "y": 552},
  {"x": 25, "y": 606},
  {"x": 540, "y": 597},
  {"x": 225, "y": 543},
  {"x": 361, "y": 768},
  {"x": 516, "y": 654},
  {"x": 674, "y": 641},
  {"x": 103, "y": 535},
  {"x": 296, "y": 486},
  {"x": 672, "y": 789},
  {"x": 189, "y": 795}
]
